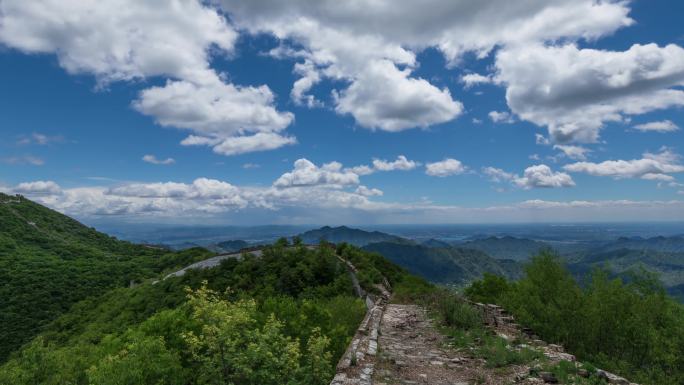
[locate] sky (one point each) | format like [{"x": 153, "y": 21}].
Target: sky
[{"x": 360, "y": 112}]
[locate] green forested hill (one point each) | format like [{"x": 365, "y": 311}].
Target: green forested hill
[
  {"x": 673, "y": 244},
  {"x": 507, "y": 247},
  {"x": 346, "y": 234},
  {"x": 445, "y": 265},
  {"x": 668, "y": 266},
  {"x": 282, "y": 318},
  {"x": 70, "y": 316},
  {"x": 49, "y": 261}
]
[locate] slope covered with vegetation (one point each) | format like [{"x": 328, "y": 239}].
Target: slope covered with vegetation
[
  {"x": 507, "y": 247},
  {"x": 667, "y": 265},
  {"x": 444, "y": 265},
  {"x": 284, "y": 317},
  {"x": 629, "y": 327},
  {"x": 49, "y": 261}
]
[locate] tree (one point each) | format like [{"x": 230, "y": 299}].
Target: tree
[
  {"x": 297, "y": 241},
  {"x": 318, "y": 368},
  {"x": 548, "y": 300},
  {"x": 143, "y": 360},
  {"x": 281, "y": 243},
  {"x": 231, "y": 348},
  {"x": 38, "y": 365},
  {"x": 490, "y": 289}
]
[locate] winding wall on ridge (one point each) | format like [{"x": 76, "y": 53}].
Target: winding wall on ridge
[{"x": 357, "y": 364}]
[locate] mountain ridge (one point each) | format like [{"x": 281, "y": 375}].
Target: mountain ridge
[
  {"x": 356, "y": 237},
  {"x": 62, "y": 262}
]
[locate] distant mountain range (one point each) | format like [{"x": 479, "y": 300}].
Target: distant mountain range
[
  {"x": 674, "y": 244},
  {"x": 346, "y": 234},
  {"x": 435, "y": 260},
  {"x": 459, "y": 262},
  {"x": 435, "y": 243},
  {"x": 446, "y": 265},
  {"x": 228, "y": 246},
  {"x": 507, "y": 247}
]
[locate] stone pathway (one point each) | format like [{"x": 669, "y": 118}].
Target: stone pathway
[
  {"x": 411, "y": 351},
  {"x": 211, "y": 262},
  {"x": 215, "y": 261}
]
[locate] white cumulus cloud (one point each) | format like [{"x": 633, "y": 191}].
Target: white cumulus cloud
[
  {"x": 38, "y": 187},
  {"x": 123, "y": 40},
  {"x": 401, "y": 163},
  {"x": 368, "y": 192},
  {"x": 382, "y": 97},
  {"x": 538, "y": 176},
  {"x": 573, "y": 152},
  {"x": 651, "y": 167},
  {"x": 471, "y": 80},
  {"x": 343, "y": 41},
  {"x": 219, "y": 115},
  {"x": 659, "y": 126},
  {"x": 501, "y": 117},
  {"x": 306, "y": 173},
  {"x": 445, "y": 168},
  {"x": 574, "y": 92},
  {"x": 542, "y": 176},
  {"x": 119, "y": 39},
  {"x": 498, "y": 175},
  {"x": 153, "y": 159}
]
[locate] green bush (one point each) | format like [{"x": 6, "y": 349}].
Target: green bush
[
  {"x": 633, "y": 329},
  {"x": 489, "y": 289},
  {"x": 456, "y": 313},
  {"x": 499, "y": 353},
  {"x": 285, "y": 317}
]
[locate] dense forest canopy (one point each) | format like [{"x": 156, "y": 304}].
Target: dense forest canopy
[
  {"x": 80, "y": 307},
  {"x": 48, "y": 262},
  {"x": 284, "y": 316}
]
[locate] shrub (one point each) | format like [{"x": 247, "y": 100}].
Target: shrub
[
  {"x": 632, "y": 329},
  {"x": 498, "y": 353},
  {"x": 456, "y": 313}
]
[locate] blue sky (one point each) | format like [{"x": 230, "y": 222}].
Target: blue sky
[{"x": 574, "y": 114}]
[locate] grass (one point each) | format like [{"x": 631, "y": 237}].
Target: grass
[
  {"x": 567, "y": 373},
  {"x": 463, "y": 326},
  {"x": 458, "y": 314},
  {"x": 498, "y": 353},
  {"x": 411, "y": 289}
]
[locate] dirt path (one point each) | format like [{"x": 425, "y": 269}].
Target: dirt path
[{"x": 411, "y": 351}]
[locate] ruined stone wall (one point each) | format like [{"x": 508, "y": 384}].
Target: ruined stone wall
[
  {"x": 498, "y": 319},
  {"x": 358, "y": 362}
]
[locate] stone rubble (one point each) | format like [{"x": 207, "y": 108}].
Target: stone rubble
[
  {"x": 412, "y": 352},
  {"x": 497, "y": 318},
  {"x": 398, "y": 344}
]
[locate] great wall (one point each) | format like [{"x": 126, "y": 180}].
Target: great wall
[{"x": 399, "y": 343}]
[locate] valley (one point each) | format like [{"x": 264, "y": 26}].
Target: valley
[{"x": 97, "y": 305}]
